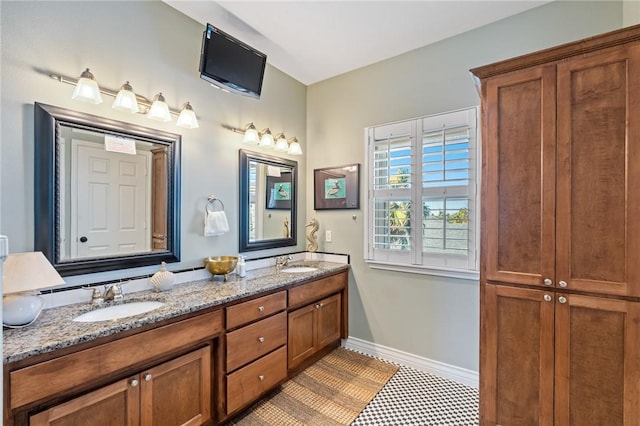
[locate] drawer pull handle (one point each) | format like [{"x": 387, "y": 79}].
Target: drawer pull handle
[
  {"x": 261, "y": 339},
  {"x": 562, "y": 283},
  {"x": 547, "y": 281},
  {"x": 261, "y": 377},
  {"x": 318, "y": 306},
  {"x": 148, "y": 377},
  {"x": 547, "y": 298},
  {"x": 134, "y": 383},
  {"x": 261, "y": 308},
  {"x": 562, "y": 299}
]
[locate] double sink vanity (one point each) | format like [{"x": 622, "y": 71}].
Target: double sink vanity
[{"x": 200, "y": 354}]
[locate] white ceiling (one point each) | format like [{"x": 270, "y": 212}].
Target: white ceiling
[{"x": 315, "y": 40}]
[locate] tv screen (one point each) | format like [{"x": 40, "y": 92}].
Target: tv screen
[{"x": 228, "y": 63}]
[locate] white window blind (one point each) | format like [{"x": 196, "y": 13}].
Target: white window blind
[{"x": 421, "y": 179}]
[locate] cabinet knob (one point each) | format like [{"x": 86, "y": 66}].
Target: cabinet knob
[
  {"x": 562, "y": 299},
  {"x": 318, "y": 306},
  {"x": 148, "y": 377},
  {"x": 261, "y": 377},
  {"x": 547, "y": 298},
  {"x": 134, "y": 383},
  {"x": 261, "y": 308},
  {"x": 261, "y": 339},
  {"x": 562, "y": 283},
  {"x": 547, "y": 281}
]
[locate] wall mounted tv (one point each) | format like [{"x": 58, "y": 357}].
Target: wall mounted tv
[{"x": 230, "y": 64}]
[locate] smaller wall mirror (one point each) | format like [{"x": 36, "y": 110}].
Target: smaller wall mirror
[
  {"x": 107, "y": 193},
  {"x": 267, "y": 207}
]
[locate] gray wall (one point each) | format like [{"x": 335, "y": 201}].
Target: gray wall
[
  {"x": 432, "y": 317},
  {"x": 157, "y": 49}
]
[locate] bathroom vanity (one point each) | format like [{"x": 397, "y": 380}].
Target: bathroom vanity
[{"x": 209, "y": 352}]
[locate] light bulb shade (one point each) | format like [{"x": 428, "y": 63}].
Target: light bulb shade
[
  {"x": 159, "y": 109},
  {"x": 266, "y": 141},
  {"x": 294, "y": 147},
  {"x": 126, "y": 99},
  {"x": 87, "y": 89},
  {"x": 187, "y": 118},
  {"x": 250, "y": 134},
  {"x": 28, "y": 271},
  {"x": 281, "y": 143}
]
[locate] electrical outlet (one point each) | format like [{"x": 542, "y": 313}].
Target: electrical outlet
[{"x": 327, "y": 236}]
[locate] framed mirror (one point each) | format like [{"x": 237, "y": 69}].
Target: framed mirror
[
  {"x": 267, "y": 208},
  {"x": 107, "y": 193}
]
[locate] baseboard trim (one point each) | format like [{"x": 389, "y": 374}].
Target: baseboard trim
[{"x": 451, "y": 372}]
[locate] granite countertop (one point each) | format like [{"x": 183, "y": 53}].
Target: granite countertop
[{"x": 55, "y": 329}]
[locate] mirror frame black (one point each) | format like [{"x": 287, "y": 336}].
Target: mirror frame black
[
  {"x": 243, "y": 223},
  {"x": 48, "y": 120}
]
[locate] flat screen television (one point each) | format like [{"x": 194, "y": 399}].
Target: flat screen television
[{"x": 230, "y": 64}]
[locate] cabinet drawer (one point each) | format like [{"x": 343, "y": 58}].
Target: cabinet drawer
[
  {"x": 246, "y": 312},
  {"x": 42, "y": 380},
  {"x": 313, "y": 291},
  {"x": 251, "y": 342},
  {"x": 248, "y": 383}
]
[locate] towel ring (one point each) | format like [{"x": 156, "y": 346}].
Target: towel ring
[{"x": 211, "y": 202}]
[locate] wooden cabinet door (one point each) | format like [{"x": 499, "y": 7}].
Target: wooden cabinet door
[
  {"x": 519, "y": 134},
  {"x": 178, "y": 392},
  {"x": 598, "y": 196},
  {"x": 113, "y": 405},
  {"x": 328, "y": 321},
  {"x": 302, "y": 342},
  {"x": 597, "y": 361},
  {"x": 517, "y": 357}
]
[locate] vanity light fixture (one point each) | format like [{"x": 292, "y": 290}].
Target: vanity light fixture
[
  {"x": 126, "y": 99},
  {"x": 87, "y": 90},
  {"x": 159, "y": 109},
  {"x": 281, "y": 143},
  {"x": 187, "y": 118},
  {"x": 250, "y": 134},
  {"x": 23, "y": 275},
  {"x": 265, "y": 139}
]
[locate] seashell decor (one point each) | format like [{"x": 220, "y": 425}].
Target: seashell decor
[{"x": 162, "y": 280}]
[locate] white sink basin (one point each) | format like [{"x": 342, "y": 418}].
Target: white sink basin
[
  {"x": 298, "y": 269},
  {"x": 118, "y": 311}
]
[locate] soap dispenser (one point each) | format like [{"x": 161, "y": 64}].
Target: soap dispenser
[{"x": 241, "y": 267}]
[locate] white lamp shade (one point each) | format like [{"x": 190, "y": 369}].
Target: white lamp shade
[
  {"x": 294, "y": 147},
  {"x": 250, "y": 135},
  {"x": 187, "y": 118},
  {"x": 87, "y": 90},
  {"x": 159, "y": 109},
  {"x": 126, "y": 100},
  {"x": 281, "y": 143},
  {"x": 267, "y": 139},
  {"x": 24, "y": 272},
  {"x": 28, "y": 271}
]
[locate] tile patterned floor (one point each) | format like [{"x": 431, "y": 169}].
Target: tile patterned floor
[{"x": 413, "y": 397}]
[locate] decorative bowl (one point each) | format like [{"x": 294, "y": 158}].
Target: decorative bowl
[{"x": 220, "y": 265}]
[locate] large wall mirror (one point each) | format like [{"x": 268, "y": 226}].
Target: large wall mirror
[
  {"x": 107, "y": 193},
  {"x": 267, "y": 201}
]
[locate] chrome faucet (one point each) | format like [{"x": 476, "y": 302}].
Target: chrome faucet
[
  {"x": 282, "y": 261},
  {"x": 113, "y": 292}
]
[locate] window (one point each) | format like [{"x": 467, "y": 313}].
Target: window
[{"x": 422, "y": 204}]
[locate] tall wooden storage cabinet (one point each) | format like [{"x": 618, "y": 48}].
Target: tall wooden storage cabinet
[{"x": 560, "y": 261}]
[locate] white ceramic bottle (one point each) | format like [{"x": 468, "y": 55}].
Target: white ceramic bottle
[{"x": 241, "y": 267}]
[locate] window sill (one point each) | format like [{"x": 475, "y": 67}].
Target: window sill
[{"x": 425, "y": 270}]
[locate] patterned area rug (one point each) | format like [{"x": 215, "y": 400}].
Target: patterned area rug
[{"x": 333, "y": 391}]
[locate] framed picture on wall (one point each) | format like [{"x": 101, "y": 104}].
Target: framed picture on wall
[
  {"x": 279, "y": 192},
  {"x": 337, "y": 187}
]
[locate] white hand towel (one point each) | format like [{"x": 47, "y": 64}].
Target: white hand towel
[{"x": 215, "y": 223}]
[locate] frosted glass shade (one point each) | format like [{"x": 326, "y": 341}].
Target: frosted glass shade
[
  {"x": 266, "y": 140},
  {"x": 250, "y": 134},
  {"x": 281, "y": 143},
  {"x": 87, "y": 89},
  {"x": 187, "y": 118},
  {"x": 126, "y": 99},
  {"x": 159, "y": 109},
  {"x": 294, "y": 147}
]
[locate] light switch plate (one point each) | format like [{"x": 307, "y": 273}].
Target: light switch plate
[{"x": 327, "y": 236}]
